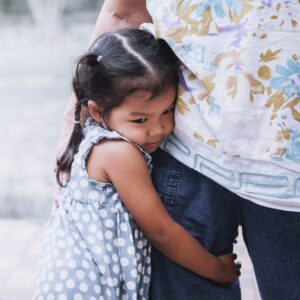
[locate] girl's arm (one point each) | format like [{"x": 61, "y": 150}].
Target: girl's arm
[{"x": 125, "y": 167}]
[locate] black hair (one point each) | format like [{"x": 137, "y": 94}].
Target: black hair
[{"x": 115, "y": 66}]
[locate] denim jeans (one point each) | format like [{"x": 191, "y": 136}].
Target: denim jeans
[{"x": 212, "y": 215}]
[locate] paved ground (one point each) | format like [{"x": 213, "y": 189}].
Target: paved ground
[{"x": 20, "y": 249}]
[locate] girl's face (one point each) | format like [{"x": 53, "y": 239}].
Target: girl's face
[{"x": 145, "y": 122}]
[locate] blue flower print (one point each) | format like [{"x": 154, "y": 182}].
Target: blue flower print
[
  {"x": 293, "y": 152},
  {"x": 288, "y": 79},
  {"x": 217, "y": 8}
]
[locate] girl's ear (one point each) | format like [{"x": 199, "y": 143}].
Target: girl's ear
[{"x": 95, "y": 111}]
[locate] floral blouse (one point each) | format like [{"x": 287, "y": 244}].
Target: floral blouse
[{"x": 238, "y": 110}]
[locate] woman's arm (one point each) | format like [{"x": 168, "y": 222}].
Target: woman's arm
[{"x": 129, "y": 174}]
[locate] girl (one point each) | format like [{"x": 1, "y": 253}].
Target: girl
[{"x": 96, "y": 246}]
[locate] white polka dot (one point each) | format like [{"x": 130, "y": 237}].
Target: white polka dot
[
  {"x": 92, "y": 276},
  {"x": 97, "y": 289},
  {"x": 123, "y": 227},
  {"x": 124, "y": 261},
  {"x": 131, "y": 285},
  {"x": 115, "y": 269},
  {"x": 50, "y": 297},
  {"x": 121, "y": 242},
  {"x": 103, "y": 213},
  {"x": 101, "y": 269},
  {"x": 140, "y": 245},
  {"x": 83, "y": 245},
  {"x": 109, "y": 223},
  {"x": 136, "y": 233},
  {"x": 86, "y": 218},
  {"x": 93, "y": 195},
  {"x": 62, "y": 297},
  {"x": 85, "y": 264},
  {"x": 117, "y": 292},
  {"x": 77, "y": 195},
  {"x": 130, "y": 250},
  {"x": 115, "y": 281},
  {"x": 83, "y": 287},
  {"x": 80, "y": 274},
  {"x": 108, "y": 247},
  {"x": 113, "y": 209},
  {"x": 115, "y": 196},
  {"x": 146, "y": 279},
  {"x": 63, "y": 274},
  {"x": 108, "y": 292},
  {"x": 103, "y": 280},
  {"x": 97, "y": 249},
  {"x": 84, "y": 183},
  {"x": 72, "y": 264},
  {"x": 108, "y": 234},
  {"x": 109, "y": 281},
  {"x": 92, "y": 298},
  {"x": 58, "y": 287},
  {"x": 138, "y": 256},
  {"x": 70, "y": 283},
  {"x": 78, "y": 296},
  {"x": 133, "y": 273},
  {"x": 92, "y": 228},
  {"x": 88, "y": 255},
  {"x": 106, "y": 259},
  {"x": 115, "y": 257}
]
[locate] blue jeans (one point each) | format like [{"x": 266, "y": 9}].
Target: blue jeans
[{"x": 212, "y": 215}]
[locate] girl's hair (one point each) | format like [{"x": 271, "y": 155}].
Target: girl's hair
[{"x": 116, "y": 65}]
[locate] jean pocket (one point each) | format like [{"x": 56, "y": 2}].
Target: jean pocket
[{"x": 167, "y": 182}]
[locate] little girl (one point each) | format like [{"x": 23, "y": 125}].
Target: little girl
[{"x": 97, "y": 243}]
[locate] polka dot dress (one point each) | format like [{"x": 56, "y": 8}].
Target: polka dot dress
[{"x": 93, "y": 250}]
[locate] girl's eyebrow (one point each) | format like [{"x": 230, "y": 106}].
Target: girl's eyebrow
[{"x": 136, "y": 113}]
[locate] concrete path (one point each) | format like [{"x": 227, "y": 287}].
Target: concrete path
[{"x": 20, "y": 249}]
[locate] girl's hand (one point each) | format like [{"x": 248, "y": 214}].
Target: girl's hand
[{"x": 229, "y": 269}]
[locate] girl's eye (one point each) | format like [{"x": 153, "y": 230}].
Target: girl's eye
[{"x": 139, "y": 121}]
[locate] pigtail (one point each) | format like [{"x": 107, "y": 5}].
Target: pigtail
[{"x": 64, "y": 163}]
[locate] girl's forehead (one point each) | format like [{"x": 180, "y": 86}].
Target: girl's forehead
[{"x": 142, "y": 101}]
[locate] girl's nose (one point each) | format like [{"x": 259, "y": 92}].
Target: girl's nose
[{"x": 156, "y": 129}]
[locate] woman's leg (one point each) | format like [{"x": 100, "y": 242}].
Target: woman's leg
[
  {"x": 209, "y": 212},
  {"x": 273, "y": 240}
]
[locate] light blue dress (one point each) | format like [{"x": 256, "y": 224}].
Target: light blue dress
[{"x": 93, "y": 249}]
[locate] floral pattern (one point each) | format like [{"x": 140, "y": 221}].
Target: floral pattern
[{"x": 241, "y": 78}]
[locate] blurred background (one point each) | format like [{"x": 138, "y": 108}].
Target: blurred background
[{"x": 39, "y": 42}]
